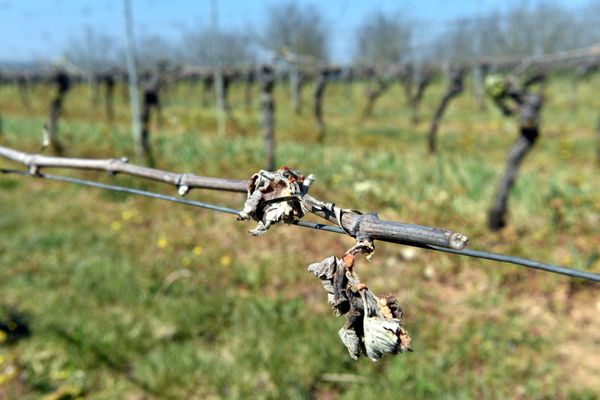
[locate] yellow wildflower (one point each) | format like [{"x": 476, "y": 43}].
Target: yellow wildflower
[
  {"x": 197, "y": 250},
  {"x": 225, "y": 260},
  {"x": 115, "y": 225},
  {"x": 126, "y": 215},
  {"x": 185, "y": 261},
  {"x": 162, "y": 242}
]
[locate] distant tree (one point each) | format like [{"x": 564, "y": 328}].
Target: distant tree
[
  {"x": 383, "y": 39},
  {"x": 300, "y": 29},
  {"x": 92, "y": 52},
  {"x": 457, "y": 43},
  {"x": 237, "y": 49},
  {"x": 526, "y": 29},
  {"x": 154, "y": 49}
]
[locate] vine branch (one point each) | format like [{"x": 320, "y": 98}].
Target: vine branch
[{"x": 355, "y": 224}]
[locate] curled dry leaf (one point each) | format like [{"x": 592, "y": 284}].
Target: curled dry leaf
[
  {"x": 273, "y": 197},
  {"x": 374, "y": 324}
]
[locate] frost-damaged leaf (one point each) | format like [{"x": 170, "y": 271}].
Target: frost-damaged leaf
[
  {"x": 352, "y": 342},
  {"x": 273, "y": 197},
  {"x": 374, "y": 324}
]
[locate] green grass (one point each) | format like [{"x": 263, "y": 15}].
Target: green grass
[{"x": 129, "y": 297}]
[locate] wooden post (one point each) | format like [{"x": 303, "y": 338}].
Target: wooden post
[
  {"x": 267, "y": 106},
  {"x": 133, "y": 81},
  {"x": 217, "y": 64}
]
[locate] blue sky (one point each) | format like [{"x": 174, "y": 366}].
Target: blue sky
[{"x": 41, "y": 29}]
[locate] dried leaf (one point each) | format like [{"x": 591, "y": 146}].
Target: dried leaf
[
  {"x": 381, "y": 336},
  {"x": 351, "y": 341},
  {"x": 374, "y": 325},
  {"x": 273, "y": 197}
]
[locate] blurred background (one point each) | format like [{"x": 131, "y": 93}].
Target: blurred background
[{"x": 482, "y": 117}]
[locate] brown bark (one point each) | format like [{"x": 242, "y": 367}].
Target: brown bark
[
  {"x": 207, "y": 88},
  {"x": 250, "y": 79},
  {"x": 320, "y": 86},
  {"x": 150, "y": 104},
  {"x": 528, "y": 105},
  {"x": 63, "y": 83},
  {"x": 454, "y": 89},
  {"x": 497, "y": 214},
  {"x": 109, "y": 91},
  {"x": 381, "y": 86}
]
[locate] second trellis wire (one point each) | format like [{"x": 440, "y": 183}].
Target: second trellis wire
[{"x": 470, "y": 253}]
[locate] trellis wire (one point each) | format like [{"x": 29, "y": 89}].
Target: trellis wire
[{"x": 469, "y": 253}]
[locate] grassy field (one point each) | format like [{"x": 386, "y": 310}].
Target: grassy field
[{"x": 129, "y": 297}]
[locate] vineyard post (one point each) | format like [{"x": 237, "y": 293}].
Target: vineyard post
[
  {"x": 267, "y": 105},
  {"x": 133, "y": 80},
  {"x": 217, "y": 68}
]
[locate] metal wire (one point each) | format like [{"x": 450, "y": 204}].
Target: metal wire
[{"x": 469, "y": 253}]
